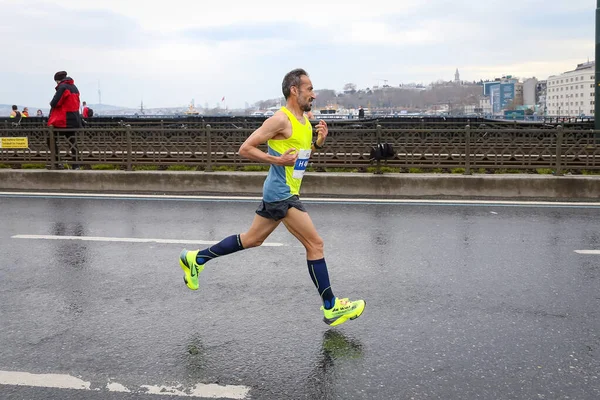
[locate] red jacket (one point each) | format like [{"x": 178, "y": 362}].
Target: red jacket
[
  {"x": 64, "y": 111},
  {"x": 85, "y": 112}
]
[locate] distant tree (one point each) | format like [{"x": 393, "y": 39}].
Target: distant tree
[
  {"x": 350, "y": 88},
  {"x": 325, "y": 97},
  {"x": 395, "y": 98}
]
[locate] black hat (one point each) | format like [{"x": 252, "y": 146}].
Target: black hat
[{"x": 60, "y": 75}]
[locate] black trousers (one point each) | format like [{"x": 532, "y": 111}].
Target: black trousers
[{"x": 71, "y": 139}]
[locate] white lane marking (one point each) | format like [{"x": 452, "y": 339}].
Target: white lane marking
[
  {"x": 201, "y": 390},
  {"x": 116, "y": 387},
  {"x": 60, "y": 381},
  {"x": 129, "y": 240},
  {"x": 42, "y": 380},
  {"x": 308, "y": 199},
  {"x": 596, "y": 252}
]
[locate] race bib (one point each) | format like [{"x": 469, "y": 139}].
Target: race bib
[{"x": 301, "y": 164}]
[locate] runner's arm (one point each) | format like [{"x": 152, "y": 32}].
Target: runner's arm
[{"x": 272, "y": 127}]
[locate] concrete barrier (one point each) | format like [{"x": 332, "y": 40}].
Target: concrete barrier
[{"x": 506, "y": 186}]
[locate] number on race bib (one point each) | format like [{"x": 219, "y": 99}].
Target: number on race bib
[{"x": 301, "y": 164}]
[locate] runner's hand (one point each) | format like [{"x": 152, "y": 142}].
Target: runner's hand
[
  {"x": 322, "y": 131},
  {"x": 289, "y": 157}
]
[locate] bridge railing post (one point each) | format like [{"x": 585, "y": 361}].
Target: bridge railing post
[
  {"x": 468, "y": 150},
  {"x": 53, "y": 148},
  {"x": 129, "y": 148},
  {"x": 378, "y": 161},
  {"x": 559, "y": 142},
  {"x": 208, "y": 149}
]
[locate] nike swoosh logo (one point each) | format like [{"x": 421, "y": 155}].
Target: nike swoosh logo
[{"x": 193, "y": 270}]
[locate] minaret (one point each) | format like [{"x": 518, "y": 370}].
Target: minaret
[{"x": 456, "y": 76}]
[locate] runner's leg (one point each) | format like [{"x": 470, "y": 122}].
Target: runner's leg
[
  {"x": 192, "y": 262},
  {"x": 301, "y": 226},
  {"x": 258, "y": 232}
]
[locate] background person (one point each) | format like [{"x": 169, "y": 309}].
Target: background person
[
  {"x": 15, "y": 113},
  {"x": 85, "y": 110},
  {"x": 64, "y": 112}
]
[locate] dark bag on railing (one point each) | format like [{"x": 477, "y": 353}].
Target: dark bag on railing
[{"x": 382, "y": 151}]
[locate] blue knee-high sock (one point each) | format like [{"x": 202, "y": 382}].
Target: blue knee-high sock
[
  {"x": 226, "y": 246},
  {"x": 320, "y": 277}
]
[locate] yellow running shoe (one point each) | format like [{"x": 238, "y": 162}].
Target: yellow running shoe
[
  {"x": 343, "y": 310},
  {"x": 187, "y": 260}
]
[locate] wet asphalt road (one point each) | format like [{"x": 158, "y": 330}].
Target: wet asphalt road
[{"x": 463, "y": 302}]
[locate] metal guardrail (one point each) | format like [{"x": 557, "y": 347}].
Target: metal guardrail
[
  {"x": 406, "y": 122},
  {"x": 348, "y": 146}
]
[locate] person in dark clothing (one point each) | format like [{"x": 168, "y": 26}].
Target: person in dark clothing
[
  {"x": 64, "y": 112},
  {"x": 15, "y": 116},
  {"x": 15, "y": 113},
  {"x": 361, "y": 113}
]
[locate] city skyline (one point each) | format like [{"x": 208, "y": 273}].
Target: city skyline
[{"x": 166, "y": 56}]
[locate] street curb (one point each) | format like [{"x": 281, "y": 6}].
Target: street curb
[{"x": 507, "y": 186}]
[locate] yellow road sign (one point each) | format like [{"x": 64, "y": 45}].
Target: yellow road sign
[{"x": 14, "y": 143}]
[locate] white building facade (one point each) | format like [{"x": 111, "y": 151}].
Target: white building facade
[
  {"x": 530, "y": 92},
  {"x": 485, "y": 105},
  {"x": 571, "y": 94}
]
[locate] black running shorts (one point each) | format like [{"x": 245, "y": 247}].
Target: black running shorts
[{"x": 278, "y": 210}]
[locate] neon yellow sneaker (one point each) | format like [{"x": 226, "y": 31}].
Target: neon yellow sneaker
[
  {"x": 343, "y": 310},
  {"x": 187, "y": 260}
]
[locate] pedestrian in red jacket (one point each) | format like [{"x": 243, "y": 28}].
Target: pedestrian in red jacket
[
  {"x": 64, "y": 106},
  {"x": 64, "y": 113}
]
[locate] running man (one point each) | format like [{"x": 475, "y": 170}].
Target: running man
[{"x": 288, "y": 134}]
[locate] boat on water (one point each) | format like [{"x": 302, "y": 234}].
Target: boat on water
[
  {"x": 335, "y": 112},
  {"x": 192, "y": 110}
]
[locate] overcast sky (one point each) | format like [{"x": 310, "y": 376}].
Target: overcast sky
[{"x": 169, "y": 52}]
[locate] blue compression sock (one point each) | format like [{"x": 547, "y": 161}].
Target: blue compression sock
[
  {"x": 320, "y": 277},
  {"x": 226, "y": 246}
]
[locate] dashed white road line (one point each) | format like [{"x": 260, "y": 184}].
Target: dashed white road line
[
  {"x": 42, "y": 380},
  {"x": 129, "y": 240},
  {"x": 60, "y": 381},
  {"x": 116, "y": 387},
  {"x": 594, "y": 252},
  {"x": 201, "y": 390}
]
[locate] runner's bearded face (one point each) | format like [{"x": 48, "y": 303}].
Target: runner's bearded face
[{"x": 306, "y": 95}]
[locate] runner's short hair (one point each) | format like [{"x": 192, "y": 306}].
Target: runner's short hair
[{"x": 290, "y": 79}]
